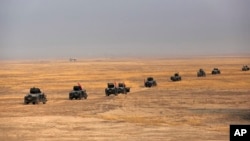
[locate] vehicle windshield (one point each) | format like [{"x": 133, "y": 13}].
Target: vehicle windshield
[
  {"x": 120, "y": 85},
  {"x": 111, "y": 85},
  {"x": 35, "y": 90},
  {"x": 76, "y": 88},
  {"x": 150, "y": 79}
]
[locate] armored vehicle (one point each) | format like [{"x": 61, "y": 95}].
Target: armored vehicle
[
  {"x": 35, "y": 96},
  {"x": 245, "y": 68},
  {"x": 111, "y": 89},
  {"x": 78, "y": 93},
  {"x": 150, "y": 82},
  {"x": 122, "y": 88},
  {"x": 176, "y": 77},
  {"x": 215, "y": 71},
  {"x": 201, "y": 73}
]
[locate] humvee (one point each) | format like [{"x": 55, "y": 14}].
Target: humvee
[
  {"x": 150, "y": 82},
  {"x": 215, "y": 71},
  {"x": 245, "y": 68},
  {"x": 111, "y": 89},
  {"x": 35, "y": 96},
  {"x": 78, "y": 93},
  {"x": 201, "y": 73},
  {"x": 122, "y": 88},
  {"x": 176, "y": 77}
]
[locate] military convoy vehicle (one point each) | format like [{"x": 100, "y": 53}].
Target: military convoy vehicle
[
  {"x": 113, "y": 89},
  {"x": 201, "y": 73},
  {"x": 35, "y": 96},
  {"x": 78, "y": 93},
  {"x": 215, "y": 71},
  {"x": 122, "y": 88},
  {"x": 150, "y": 82},
  {"x": 245, "y": 68},
  {"x": 176, "y": 77}
]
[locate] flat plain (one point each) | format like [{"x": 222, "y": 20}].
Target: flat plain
[{"x": 197, "y": 109}]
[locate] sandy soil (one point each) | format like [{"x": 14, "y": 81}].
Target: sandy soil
[{"x": 197, "y": 109}]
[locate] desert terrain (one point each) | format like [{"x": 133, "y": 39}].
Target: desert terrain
[{"x": 197, "y": 109}]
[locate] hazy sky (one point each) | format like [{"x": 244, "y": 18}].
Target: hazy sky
[{"x": 110, "y": 28}]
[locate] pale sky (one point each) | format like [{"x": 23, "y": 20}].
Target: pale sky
[{"x": 40, "y": 29}]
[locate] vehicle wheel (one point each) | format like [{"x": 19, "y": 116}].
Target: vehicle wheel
[
  {"x": 128, "y": 90},
  {"x": 171, "y": 78},
  {"x": 44, "y": 102},
  {"x": 34, "y": 103}
]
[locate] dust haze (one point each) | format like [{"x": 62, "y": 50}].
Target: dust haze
[{"x": 62, "y": 29}]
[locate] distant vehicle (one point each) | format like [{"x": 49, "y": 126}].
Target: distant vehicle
[
  {"x": 215, "y": 71},
  {"x": 72, "y": 59},
  {"x": 111, "y": 89},
  {"x": 176, "y": 77},
  {"x": 245, "y": 68},
  {"x": 150, "y": 82},
  {"x": 78, "y": 93},
  {"x": 201, "y": 73},
  {"x": 35, "y": 96},
  {"x": 122, "y": 88}
]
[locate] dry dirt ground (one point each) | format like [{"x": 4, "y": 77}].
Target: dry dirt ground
[{"x": 197, "y": 109}]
